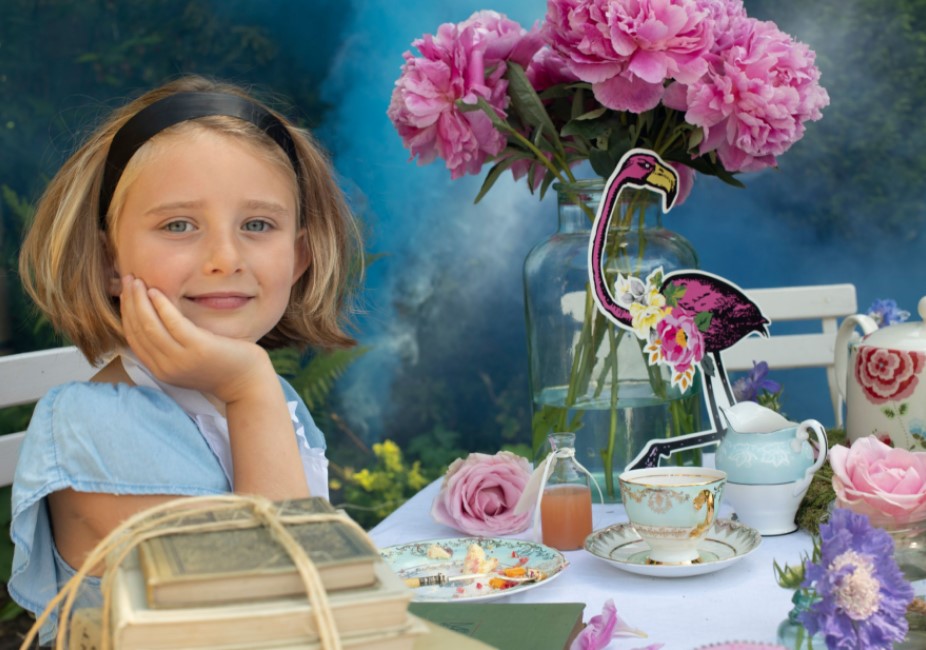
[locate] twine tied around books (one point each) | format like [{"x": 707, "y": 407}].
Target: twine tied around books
[
  {"x": 168, "y": 518},
  {"x": 533, "y": 491}
]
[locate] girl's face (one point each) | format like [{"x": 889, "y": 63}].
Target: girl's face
[{"x": 211, "y": 223}]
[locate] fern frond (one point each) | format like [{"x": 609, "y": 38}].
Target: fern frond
[{"x": 315, "y": 381}]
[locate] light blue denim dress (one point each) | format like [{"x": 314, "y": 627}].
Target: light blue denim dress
[{"x": 115, "y": 439}]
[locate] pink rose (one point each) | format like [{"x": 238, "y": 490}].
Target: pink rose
[
  {"x": 887, "y": 484},
  {"x": 888, "y": 374},
  {"x": 479, "y": 494}
]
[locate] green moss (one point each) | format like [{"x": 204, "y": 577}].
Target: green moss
[{"x": 820, "y": 495}]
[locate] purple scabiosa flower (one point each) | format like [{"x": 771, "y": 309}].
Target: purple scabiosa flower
[
  {"x": 885, "y": 312},
  {"x": 747, "y": 388},
  {"x": 861, "y": 595}
]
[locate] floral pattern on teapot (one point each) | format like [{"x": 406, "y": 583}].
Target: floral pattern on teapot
[{"x": 887, "y": 377}]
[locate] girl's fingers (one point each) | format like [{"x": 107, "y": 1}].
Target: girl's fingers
[{"x": 144, "y": 329}]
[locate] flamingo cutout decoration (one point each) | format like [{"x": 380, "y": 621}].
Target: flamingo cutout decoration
[{"x": 722, "y": 312}]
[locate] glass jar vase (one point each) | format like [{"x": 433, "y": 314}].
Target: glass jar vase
[{"x": 586, "y": 374}]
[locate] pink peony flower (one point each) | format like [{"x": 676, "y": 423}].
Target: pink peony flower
[
  {"x": 874, "y": 479},
  {"x": 479, "y": 494},
  {"x": 755, "y": 98},
  {"x": 886, "y": 375},
  {"x": 723, "y": 13},
  {"x": 548, "y": 68},
  {"x": 464, "y": 62},
  {"x": 628, "y": 49}
]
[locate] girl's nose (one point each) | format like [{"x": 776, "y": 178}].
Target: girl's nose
[{"x": 223, "y": 254}]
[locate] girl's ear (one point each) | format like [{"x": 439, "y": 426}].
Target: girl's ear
[
  {"x": 303, "y": 257},
  {"x": 112, "y": 272}
]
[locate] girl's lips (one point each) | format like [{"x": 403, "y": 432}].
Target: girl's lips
[{"x": 220, "y": 301}]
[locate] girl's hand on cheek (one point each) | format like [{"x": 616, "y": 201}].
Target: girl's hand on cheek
[{"x": 180, "y": 353}]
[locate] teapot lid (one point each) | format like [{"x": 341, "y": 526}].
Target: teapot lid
[{"x": 901, "y": 336}]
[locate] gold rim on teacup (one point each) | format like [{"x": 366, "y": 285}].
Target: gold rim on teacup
[{"x": 699, "y": 476}]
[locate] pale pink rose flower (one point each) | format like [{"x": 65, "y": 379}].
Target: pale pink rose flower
[
  {"x": 755, "y": 98},
  {"x": 478, "y": 495},
  {"x": 460, "y": 62},
  {"x": 627, "y": 49},
  {"x": 887, "y": 484}
]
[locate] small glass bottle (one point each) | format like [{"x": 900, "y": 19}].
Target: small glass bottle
[{"x": 566, "y": 502}]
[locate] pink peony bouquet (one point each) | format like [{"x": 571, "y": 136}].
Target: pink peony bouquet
[
  {"x": 479, "y": 494},
  {"x": 697, "y": 81},
  {"x": 874, "y": 479}
]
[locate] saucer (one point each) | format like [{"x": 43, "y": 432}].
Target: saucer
[{"x": 726, "y": 543}]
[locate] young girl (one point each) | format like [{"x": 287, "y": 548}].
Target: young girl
[{"x": 195, "y": 229}]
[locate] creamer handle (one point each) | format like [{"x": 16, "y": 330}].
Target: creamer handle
[
  {"x": 822, "y": 443},
  {"x": 843, "y": 337}
]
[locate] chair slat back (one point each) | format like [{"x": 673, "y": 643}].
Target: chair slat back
[
  {"x": 824, "y": 303},
  {"x": 24, "y": 378}
]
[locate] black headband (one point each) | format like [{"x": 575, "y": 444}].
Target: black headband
[{"x": 174, "y": 109}]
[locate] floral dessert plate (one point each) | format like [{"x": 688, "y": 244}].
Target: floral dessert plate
[
  {"x": 457, "y": 556},
  {"x": 726, "y": 543}
]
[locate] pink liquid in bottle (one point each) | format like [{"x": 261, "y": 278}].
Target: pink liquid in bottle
[{"x": 566, "y": 516}]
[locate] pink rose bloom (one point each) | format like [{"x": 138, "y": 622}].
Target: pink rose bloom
[
  {"x": 755, "y": 98},
  {"x": 682, "y": 341},
  {"x": 887, "y": 484},
  {"x": 628, "y": 49},
  {"x": 479, "y": 494},
  {"x": 461, "y": 62},
  {"x": 886, "y": 375}
]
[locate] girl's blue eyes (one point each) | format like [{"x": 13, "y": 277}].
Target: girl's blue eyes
[
  {"x": 177, "y": 226},
  {"x": 256, "y": 225}
]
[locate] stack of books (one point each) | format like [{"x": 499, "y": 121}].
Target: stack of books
[{"x": 238, "y": 589}]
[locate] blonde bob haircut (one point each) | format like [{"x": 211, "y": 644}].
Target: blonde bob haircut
[{"x": 67, "y": 268}]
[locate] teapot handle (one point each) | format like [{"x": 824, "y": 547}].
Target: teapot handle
[
  {"x": 822, "y": 443},
  {"x": 843, "y": 338}
]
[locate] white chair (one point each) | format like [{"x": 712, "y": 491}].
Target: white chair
[
  {"x": 824, "y": 303},
  {"x": 24, "y": 378}
]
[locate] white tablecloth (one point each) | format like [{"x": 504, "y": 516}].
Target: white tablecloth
[{"x": 741, "y": 602}]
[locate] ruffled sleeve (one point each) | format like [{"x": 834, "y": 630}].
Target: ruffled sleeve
[
  {"x": 95, "y": 437},
  {"x": 311, "y": 442}
]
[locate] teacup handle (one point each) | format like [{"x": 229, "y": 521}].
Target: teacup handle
[
  {"x": 819, "y": 432},
  {"x": 704, "y": 496}
]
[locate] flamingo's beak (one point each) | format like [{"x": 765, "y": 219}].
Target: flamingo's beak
[{"x": 665, "y": 179}]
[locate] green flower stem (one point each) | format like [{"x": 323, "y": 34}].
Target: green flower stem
[
  {"x": 543, "y": 160},
  {"x": 607, "y": 454}
]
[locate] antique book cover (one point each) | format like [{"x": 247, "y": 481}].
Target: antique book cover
[
  {"x": 415, "y": 634},
  {"x": 246, "y": 564},
  {"x": 380, "y": 608},
  {"x": 538, "y": 626}
]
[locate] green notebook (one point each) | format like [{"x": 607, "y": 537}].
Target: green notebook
[{"x": 507, "y": 626}]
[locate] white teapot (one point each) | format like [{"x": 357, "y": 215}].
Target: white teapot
[{"x": 883, "y": 379}]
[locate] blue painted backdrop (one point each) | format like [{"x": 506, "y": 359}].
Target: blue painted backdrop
[{"x": 444, "y": 308}]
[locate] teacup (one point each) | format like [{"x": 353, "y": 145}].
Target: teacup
[{"x": 672, "y": 508}]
